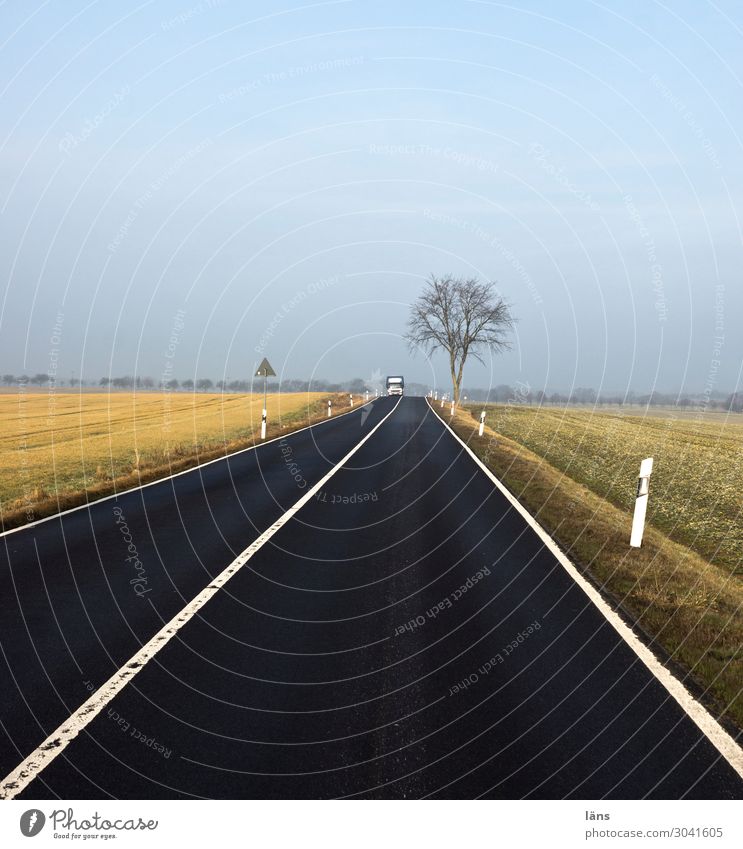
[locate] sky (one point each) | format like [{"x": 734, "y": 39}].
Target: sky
[{"x": 187, "y": 187}]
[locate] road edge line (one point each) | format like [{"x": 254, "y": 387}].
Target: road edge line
[
  {"x": 19, "y": 778},
  {"x": 692, "y": 707}
]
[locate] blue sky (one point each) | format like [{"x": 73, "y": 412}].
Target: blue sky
[{"x": 285, "y": 177}]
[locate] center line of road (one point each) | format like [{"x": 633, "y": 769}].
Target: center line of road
[{"x": 17, "y": 781}]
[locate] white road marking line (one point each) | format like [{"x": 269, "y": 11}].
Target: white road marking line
[
  {"x": 17, "y": 781},
  {"x": 699, "y": 715},
  {"x": 124, "y": 492}
]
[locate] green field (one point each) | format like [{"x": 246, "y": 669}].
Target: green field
[{"x": 696, "y": 495}]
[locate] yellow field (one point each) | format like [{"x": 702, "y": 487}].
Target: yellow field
[
  {"x": 696, "y": 492},
  {"x": 55, "y": 446}
]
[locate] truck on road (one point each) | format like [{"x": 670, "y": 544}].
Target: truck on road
[{"x": 395, "y": 385}]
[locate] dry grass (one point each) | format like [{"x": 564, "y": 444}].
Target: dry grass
[
  {"x": 61, "y": 450},
  {"x": 690, "y": 608}
]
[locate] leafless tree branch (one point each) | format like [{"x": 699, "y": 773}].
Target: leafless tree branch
[{"x": 463, "y": 317}]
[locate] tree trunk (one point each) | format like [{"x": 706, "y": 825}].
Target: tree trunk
[
  {"x": 458, "y": 381},
  {"x": 454, "y": 382}
]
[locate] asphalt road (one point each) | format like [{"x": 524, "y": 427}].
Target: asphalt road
[{"x": 299, "y": 678}]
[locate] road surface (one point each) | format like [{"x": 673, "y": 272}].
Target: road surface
[{"x": 405, "y": 634}]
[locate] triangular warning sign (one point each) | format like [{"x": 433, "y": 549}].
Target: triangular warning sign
[{"x": 265, "y": 370}]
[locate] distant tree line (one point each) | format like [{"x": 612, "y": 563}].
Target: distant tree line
[
  {"x": 204, "y": 384},
  {"x": 501, "y": 394},
  {"x": 581, "y": 396}
]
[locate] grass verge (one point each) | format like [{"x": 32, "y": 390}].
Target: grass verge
[
  {"x": 696, "y": 496},
  {"x": 689, "y": 610}
]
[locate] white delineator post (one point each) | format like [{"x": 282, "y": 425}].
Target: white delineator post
[
  {"x": 367, "y": 394},
  {"x": 452, "y": 409},
  {"x": 641, "y": 504},
  {"x": 482, "y": 424},
  {"x": 264, "y": 371},
  {"x": 330, "y": 409},
  {"x": 442, "y": 402},
  {"x": 351, "y": 397}
]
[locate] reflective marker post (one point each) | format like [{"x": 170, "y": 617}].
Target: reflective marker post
[
  {"x": 452, "y": 409},
  {"x": 351, "y": 397},
  {"x": 265, "y": 371},
  {"x": 482, "y": 423},
  {"x": 330, "y": 409},
  {"x": 641, "y": 504},
  {"x": 264, "y": 414}
]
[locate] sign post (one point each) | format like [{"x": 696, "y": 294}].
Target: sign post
[
  {"x": 265, "y": 371},
  {"x": 641, "y": 504}
]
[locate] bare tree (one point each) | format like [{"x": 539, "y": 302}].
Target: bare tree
[{"x": 462, "y": 316}]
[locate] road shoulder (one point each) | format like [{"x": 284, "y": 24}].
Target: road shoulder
[{"x": 587, "y": 535}]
